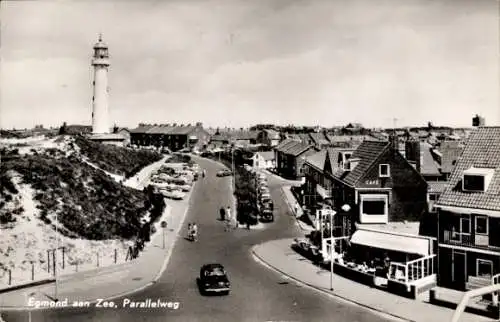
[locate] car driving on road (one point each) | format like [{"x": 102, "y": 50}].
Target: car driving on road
[
  {"x": 213, "y": 279},
  {"x": 224, "y": 173}
]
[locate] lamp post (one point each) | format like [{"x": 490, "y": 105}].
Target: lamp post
[{"x": 332, "y": 247}]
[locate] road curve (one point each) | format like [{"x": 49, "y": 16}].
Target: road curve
[{"x": 259, "y": 294}]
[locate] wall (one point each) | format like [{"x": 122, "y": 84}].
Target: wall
[{"x": 408, "y": 197}]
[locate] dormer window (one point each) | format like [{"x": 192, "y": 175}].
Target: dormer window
[
  {"x": 384, "y": 171},
  {"x": 477, "y": 179}
]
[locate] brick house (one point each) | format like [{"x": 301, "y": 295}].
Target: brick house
[
  {"x": 290, "y": 156},
  {"x": 469, "y": 215},
  {"x": 375, "y": 181},
  {"x": 174, "y": 137},
  {"x": 268, "y": 137}
]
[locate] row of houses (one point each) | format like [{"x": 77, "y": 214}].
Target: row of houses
[{"x": 430, "y": 209}]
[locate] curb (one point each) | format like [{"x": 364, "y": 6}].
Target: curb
[
  {"x": 259, "y": 259},
  {"x": 26, "y": 285},
  {"x": 291, "y": 209},
  {"x": 155, "y": 279}
]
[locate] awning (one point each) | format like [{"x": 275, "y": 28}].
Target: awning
[{"x": 393, "y": 242}]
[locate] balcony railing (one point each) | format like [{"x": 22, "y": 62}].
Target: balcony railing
[
  {"x": 412, "y": 271},
  {"x": 467, "y": 240}
]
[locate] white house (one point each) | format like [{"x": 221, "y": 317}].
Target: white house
[{"x": 263, "y": 160}]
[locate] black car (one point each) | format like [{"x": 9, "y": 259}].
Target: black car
[
  {"x": 213, "y": 279},
  {"x": 267, "y": 215}
]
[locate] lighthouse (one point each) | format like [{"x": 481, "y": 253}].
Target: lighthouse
[{"x": 100, "y": 62}]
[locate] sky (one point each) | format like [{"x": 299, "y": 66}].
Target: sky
[{"x": 238, "y": 62}]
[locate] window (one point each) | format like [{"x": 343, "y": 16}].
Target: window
[
  {"x": 465, "y": 221},
  {"x": 481, "y": 225},
  {"x": 433, "y": 196},
  {"x": 484, "y": 268},
  {"x": 473, "y": 183},
  {"x": 384, "y": 170},
  {"x": 374, "y": 208}
]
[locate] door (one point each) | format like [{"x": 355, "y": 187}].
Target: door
[{"x": 459, "y": 272}]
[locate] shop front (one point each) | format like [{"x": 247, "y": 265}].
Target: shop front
[{"x": 406, "y": 262}]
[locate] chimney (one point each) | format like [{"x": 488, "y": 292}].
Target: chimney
[{"x": 414, "y": 154}]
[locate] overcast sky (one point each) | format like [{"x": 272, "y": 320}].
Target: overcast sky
[{"x": 240, "y": 62}]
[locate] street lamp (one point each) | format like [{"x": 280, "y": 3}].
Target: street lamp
[{"x": 332, "y": 247}]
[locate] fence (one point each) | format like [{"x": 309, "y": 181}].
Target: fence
[{"x": 58, "y": 262}]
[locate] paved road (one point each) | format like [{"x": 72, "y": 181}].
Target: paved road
[{"x": 258, "y": 293}]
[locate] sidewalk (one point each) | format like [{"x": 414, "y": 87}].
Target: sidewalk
[
  {"x": 291, "y": 201},
  {"x": 116, "y": 280},
  {"x": 279, "y": 256},
  {"x": 141, "y": 178}
]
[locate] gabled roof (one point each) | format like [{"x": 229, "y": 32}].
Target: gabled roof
[
  {"x": 181, "y": 130},
  {"x": 368, "y": 152},
  {"x": 272, "y": 134},
  {"x": 293, "y": 147},
  {"x": 318, "y": 159},
  {"x": 349, "y": 138},
  {"x": 298, "y": 149},
  {"x": 436, "y": 186},
  {"x": 304, "y": 138},
  {"x": 266, "y": 155},
  {"x": 164, "y": 129},
  {"x": 482, "y": 150},
  {"x": 428, "y": 165},
  {"x": 283, "y": 144},
  {"x": 293, "y": 136},
  {"x": 319, "y": 138},
  {"x": 243, "y": 135},
  {"x": 450, "y": 151}
]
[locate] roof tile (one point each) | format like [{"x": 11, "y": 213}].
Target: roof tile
[{"x": 482, "y": 150}]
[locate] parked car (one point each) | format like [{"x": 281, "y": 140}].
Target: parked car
[
  {"x": 175, "y": 194},
  {"x": 185, "y": 188},
  {"x": 267, "y": 215},
  {"x": 213, "y": 279},
  {"x": 224, "y": 173}
]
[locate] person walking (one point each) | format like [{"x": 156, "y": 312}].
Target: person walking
[
  {"x": 228, "y": 219},
  {"x": 222, "y": 213},
  {"x": 194, "y": 227}
]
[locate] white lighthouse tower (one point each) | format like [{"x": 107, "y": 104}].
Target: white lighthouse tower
[{"x": 100, "y": 61}]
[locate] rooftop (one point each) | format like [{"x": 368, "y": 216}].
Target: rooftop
[
  {"x": 482, "y": 150},
  {"x": 368, "y": 152},
  {"x": 266, "y": 155}
]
